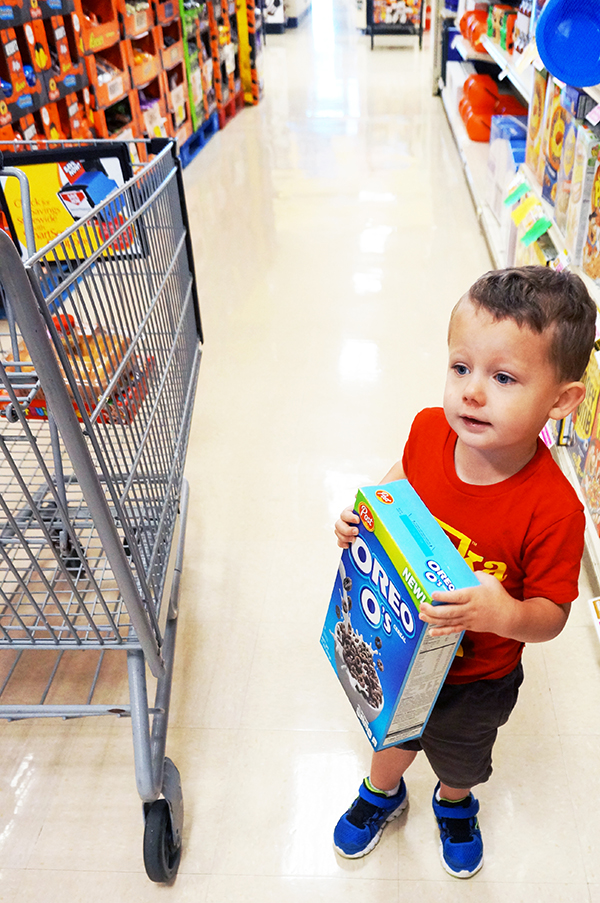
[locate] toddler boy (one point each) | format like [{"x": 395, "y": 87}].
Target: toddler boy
[{"x": 518, "y": 344}]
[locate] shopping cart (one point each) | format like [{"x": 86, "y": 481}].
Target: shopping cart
[{"x": 97, "y": 382}]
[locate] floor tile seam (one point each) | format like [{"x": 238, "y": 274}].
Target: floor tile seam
[
  {"x": 219, "y": 821},
  {"x": 574, "y": 812},
  {"x": 49, "y": 802}
]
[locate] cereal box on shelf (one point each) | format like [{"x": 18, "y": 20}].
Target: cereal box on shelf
[
  {"x": 591, "y": 221},
  {"x": 564, "y": 177},
  {"x": 389, "y": 665},
  {"x": 535, "y": 120},
  {"x": 583, "y": 420},
  {"x": 560, "y": 125},
  {"x": 551, "y": 102},
  {"x": 587, "y": 149},
  {"x": 590, "y": 484}
]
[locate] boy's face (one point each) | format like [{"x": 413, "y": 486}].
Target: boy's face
[{"x": 501, "y": 385}]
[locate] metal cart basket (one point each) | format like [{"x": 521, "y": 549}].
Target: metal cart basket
[{"x": 97, "y": 383}]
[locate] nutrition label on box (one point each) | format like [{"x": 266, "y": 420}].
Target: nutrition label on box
[{"x": 429, "y": 668}]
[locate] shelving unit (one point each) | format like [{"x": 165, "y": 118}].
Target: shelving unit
[
  {"x": 224, "y": 43},
  {"x": 107, "y": 69}
]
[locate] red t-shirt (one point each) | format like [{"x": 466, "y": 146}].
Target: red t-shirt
[{"x": 528, "y": 531}]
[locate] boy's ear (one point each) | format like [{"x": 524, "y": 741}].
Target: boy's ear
[{"x": 571, "y": 395}]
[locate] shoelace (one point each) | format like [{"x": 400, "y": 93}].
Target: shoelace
[
  {"x": 460, "y": 829},
  {"x": 362, "y": 812}
]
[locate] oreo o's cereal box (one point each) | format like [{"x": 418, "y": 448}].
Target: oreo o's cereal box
[{"x": 389, "y": 665}]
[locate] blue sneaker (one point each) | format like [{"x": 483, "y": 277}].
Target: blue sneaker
[
  {"x": 461, "y": 846},
  {"x": 360, "y": 828}
]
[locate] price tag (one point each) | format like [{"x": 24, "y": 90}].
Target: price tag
[
  {"x": 593, "y": 117},
  {"x": 115, "y": 88}
]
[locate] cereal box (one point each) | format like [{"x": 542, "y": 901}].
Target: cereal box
[
  {"x": 591, "y": 222},
  {"x": 551, "y": 104},
  {"x": 535, "y": 121},
  {"x": 583, "y": 420},
  {"x": 389, "y": 665},
  {"x": 587, "y": 148}
]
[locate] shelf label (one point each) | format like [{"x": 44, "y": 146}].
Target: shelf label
[
  {"x": 593, "y": 117},
  {"x": 516, "y": 194},
  {"x": 520, "y": 212},
  {"x": 115, "y": 88}
]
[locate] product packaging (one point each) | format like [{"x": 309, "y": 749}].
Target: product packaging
[
  {"x": 564, "y": 177},
  {"x": 507, "y": 151},
  {"x": 591, "y": 222},
  {"x": 561, "y": 119},
  {"x": 551, "y": 102},
  {"x": 389, "y": 665},
  {"x": 587, "y": 148},
  {"x": 535, "y": 120},
  {"x": 583, "y": 420}
]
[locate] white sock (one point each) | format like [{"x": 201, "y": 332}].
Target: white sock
[{"x": 371, "y": 786}]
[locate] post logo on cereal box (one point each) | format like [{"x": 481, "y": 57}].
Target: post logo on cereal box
[
  {"x": 364, "y": 512},
  {"x": 386, "y": 497}
]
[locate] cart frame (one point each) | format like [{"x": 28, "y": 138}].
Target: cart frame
[{"x": 92, "y": 556}]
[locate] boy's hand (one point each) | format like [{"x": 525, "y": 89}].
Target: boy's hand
[
  {"x": 344, "y": 528},
  {"x": 489, "y": 608},
  {"x": 479, "y": 608}
]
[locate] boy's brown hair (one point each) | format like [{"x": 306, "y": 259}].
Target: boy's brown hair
[{"x": 542, "y": 298}]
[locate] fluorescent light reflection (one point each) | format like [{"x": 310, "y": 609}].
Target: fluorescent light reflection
[
  {"x": 359, "y": 361},
  {"x": 340, "y": 490},
  {"x": 376, "y": 197},
  {"x": 373, "y": 240},
  {"x": 367, "y": 283}
]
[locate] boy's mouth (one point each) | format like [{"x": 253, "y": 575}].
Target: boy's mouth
[{"x": 474, "y": 423}]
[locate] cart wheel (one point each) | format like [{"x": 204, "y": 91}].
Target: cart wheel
[{"x": 161, "y": 856}]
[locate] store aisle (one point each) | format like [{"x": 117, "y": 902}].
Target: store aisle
[{"x": 333, "y": 233}]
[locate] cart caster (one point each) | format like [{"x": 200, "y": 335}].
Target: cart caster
[{"x": 162, "y": 852}]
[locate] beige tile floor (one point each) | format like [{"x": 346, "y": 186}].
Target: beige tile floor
[{"x": 333, "y": 232}]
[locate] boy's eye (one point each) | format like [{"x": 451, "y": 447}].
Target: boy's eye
[
  {"x": 460, "y": 369},
  {"x": 504, "y": 379}
]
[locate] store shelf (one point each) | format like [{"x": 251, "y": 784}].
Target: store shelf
[
  {"x": 522, "y": 80},
  {"x": 594, "y": 92},
  {"x": 466, "y": 50},
  {"x": 474, "y": 159}
]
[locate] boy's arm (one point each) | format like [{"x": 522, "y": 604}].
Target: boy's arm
[{"x": 489, "y": 608}]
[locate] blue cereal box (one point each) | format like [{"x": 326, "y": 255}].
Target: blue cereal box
[{"x": 389, "y": 665}]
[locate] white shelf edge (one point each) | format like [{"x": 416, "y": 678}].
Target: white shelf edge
[
  {"x": 523, "y": 81},
  {"x": 467, "y": 52},
  {"x": 594, "y": 92}
]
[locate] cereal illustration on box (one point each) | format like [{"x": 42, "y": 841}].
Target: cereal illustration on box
[
  {"x": 388, "y": 664},
  {"x": 356, "y": 660}
]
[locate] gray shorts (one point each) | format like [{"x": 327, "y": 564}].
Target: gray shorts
[{"x": 462, "y": 729}]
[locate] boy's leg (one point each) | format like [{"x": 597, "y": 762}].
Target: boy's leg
[
  {"x": 388, "y": 766},
  {"x": 381, "y": 797},
  {"x": 452, "y": 793}
]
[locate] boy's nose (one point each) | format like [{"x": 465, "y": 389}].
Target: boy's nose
[{"x": 473, "y": 391}]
